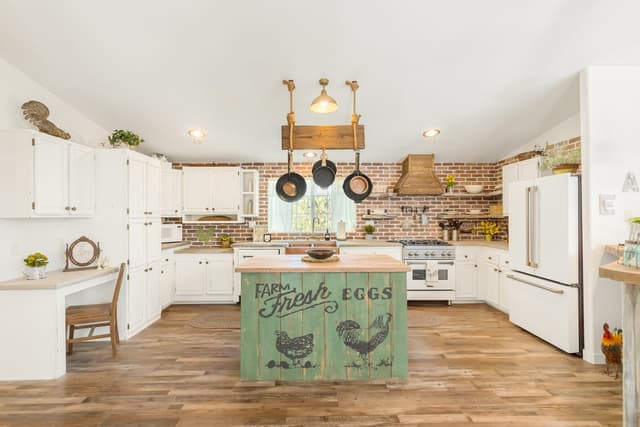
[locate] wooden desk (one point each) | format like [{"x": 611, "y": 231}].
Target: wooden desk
[{"x": 32, "y": 319}]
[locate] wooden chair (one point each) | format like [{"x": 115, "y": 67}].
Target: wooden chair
[{"x": 94, "y": 316}]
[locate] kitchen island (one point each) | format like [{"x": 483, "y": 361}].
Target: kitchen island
[{"x": 344, "y": 320}]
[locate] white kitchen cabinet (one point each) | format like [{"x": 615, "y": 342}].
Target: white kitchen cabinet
[
  {"x": 211, "y": 190},
  {"x": 514, "y": 172},
  {"x": 136, "y": 304},
  {"x": 466, "y": 281},
  {"x": 491, "y": 275},
  {"x": 204, "y": 278},
  {"x": 250, "y": 193},
  {"x": 153, "y": 238},
  {"x": 82, "y": 180},
  {"x": 503, "y": 302},
  {"x": 153, "y": 278},
  {"x": 242, "y": 254},
  {"x": 171, "y": 192},
  {"x": 153, "y": 185},
  {"x": 44, "y": 176},
  {"x": 167, "y": 283},
  {"x": 137, "y": 185},
  {"x": 392, "y": 251}
]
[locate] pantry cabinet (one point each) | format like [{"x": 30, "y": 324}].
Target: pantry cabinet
[
  {"x": 143, "y": 297},
  {"x": 211, "y": 190},
  {"x": 518, "y": 171},
  {"x": 204, "y": 278},
  {"x": 171, "y": 192},
  {"x": 44, "y": 176}
]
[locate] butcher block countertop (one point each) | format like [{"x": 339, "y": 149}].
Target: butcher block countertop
[
  {"x": 175, "y": 245},
  {"x": 347, "y": 264},
  {"x": 620, "y": 273},
  {"x": 56, "y": 279},
  {"x": 494, "y": 244}
]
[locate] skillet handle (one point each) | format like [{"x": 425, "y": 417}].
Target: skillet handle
[
  {"x": 358, "y": 161},
  {"x": 289, "y": 161}
]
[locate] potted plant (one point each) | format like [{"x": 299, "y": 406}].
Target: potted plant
[
  {"x": 488, "y": 228},
  {"x": 369, "y": 230},
  {"x": 562, "y": 161},
  {"x": 225, "y": 240},
  {"x": 126, "y": 137},
  {"x": 36, "y": 266},
  {"x": 451, "y": 182}
]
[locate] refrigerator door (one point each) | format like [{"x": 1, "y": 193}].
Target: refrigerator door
[
  {"x": 520, "y": 232},
  {"x": 546, "y": 309},
  {"x": 553, "y": 228}
]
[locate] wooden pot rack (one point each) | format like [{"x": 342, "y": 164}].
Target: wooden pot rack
[{"x": 318, "y": 137}]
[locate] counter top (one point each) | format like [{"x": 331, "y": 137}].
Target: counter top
[
  {"x": 272, "y": 244},
  {"x": 344, "y": 243},
  {"x": 175, "y": 245},
  {"x": 362, "y": 242},
  {"x": 205, "y": 251},
  {"x": 620, "y": 273},
  {"x": 346, "y": 264},
  {"x": 495, "y": 244},
  {"x": 56, "y": 279}
]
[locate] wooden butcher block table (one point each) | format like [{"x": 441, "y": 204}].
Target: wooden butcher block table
[{"x": 344, "y": 320}]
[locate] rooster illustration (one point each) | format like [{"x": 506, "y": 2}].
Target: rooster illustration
[
  {"x": 355, "y": 337},
  {"x": 295, "y": 349},
  {"x": 612, "y": 348}
]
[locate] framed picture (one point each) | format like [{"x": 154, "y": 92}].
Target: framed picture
[{"x": 266, "y": 237}]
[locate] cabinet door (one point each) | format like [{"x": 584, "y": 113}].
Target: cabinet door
[
  {"x": 82, "y": 180},
  {"x": 153, "y": 188},
  {"x": 529, "y": 169},
  {"x": 167, "y": 283},
  {"x": 190, "y": 277},
  {"x": 137, "y": 243},
  {"x": 137, "y": 300},
  {"x": 153, "y": 291},
  {"x": 504, "y": 292},
  {"x": 509, "y": 175},
  {"x": 220, "y": 276},
  {"x": 466, "y": 280},
  {"x": 226, "y": 190},
  {"x": 153, "y": 237},
  {"x": 137, "y": 182},
  {"x": 171, "y": 192},
  {"x": 492, "y": 282},
  {"x": 51, "y": 177},
  {"x": 196, "y": 191}
]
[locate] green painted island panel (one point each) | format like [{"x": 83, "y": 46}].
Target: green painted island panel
[{"x": 323, "y": 326}]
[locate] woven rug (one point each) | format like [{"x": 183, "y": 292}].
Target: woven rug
[{"x": 230, "y": 319}]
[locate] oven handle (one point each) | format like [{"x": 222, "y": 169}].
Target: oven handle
[{"x": 445, "y": 262}]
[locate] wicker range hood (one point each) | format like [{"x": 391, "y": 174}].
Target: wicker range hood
[{"x": 418, "y": 176}]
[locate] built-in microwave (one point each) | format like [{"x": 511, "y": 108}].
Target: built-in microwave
[{"x": 171, "y": 233}]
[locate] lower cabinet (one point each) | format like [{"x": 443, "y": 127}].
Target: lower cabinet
[
  {"x": 466, "y": 281},
  {"x": 167, "y": 283},
  {"x": 143, "y": 297},
  {"x": 481, "y": 276},
  {"x": 204, "y": 278}
]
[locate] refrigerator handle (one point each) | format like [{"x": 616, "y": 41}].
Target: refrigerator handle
[
  {"x": 533, "y": 225},
  {"x": 528, "y": 221}
]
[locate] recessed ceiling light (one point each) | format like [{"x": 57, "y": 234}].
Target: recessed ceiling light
[
  {"x": 310, "y": 154},
  {"x": 431, "y": 133},
  {"x": 197, "y": 135}
]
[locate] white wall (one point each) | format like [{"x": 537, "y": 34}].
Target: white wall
[
  {"x": 20, "y": 237},
  {"x": 565, "y": 130},
  {"x": 610, "y": 127}
]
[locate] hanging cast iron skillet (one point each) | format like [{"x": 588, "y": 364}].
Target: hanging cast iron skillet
[
  {"x": 324, "y": 171},
  {"x": 357, "y": 186},
  {"x": 291, "y": 186}
]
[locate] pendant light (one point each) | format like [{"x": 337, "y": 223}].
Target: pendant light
[{"x": 324, "y": 103}]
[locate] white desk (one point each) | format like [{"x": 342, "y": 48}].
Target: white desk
[{"x": 32, "y": 322}]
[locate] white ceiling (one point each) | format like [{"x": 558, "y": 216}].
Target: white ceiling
[{"x": 491, "y": 74}]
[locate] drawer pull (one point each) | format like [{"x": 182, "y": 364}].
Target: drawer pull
[{"x": 546, "y": 288}]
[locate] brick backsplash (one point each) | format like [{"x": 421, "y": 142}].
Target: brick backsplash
[{"x": 383, "y": 175}]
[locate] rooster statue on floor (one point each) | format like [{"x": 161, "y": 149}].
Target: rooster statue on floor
[{"x": 612, "y": 348}]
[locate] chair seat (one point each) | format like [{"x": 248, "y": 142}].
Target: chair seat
[{"x": 78, "y": 314}]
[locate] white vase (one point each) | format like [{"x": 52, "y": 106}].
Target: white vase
[
  {"x": 369, "y": 237},
  {"x": 35, "y": 273}
]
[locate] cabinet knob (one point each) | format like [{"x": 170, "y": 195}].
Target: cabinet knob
[
  {"x": 506, "y": 262},
  {"x": 146, "y": 269},
  {"x": 67, "y": 208},
  {"x": 466, "y": 256},
  {"x": 74, "y": 208},
  {"x": 206, "y": 208},
  {"x": 495, "y": 269},
  {"x": 489, "y": 257},
  {"x": 476, "y": 265},
  {"x": 207, "y": 262},
  {"x": 166, "y": 259},
  {"x": 175, "y": 211},
  {"x": 151, "y": 223},
  {"x": 150, "y": 213},
  {"x": 199, "y": 262},
  {"x": 150, "y": 268}
]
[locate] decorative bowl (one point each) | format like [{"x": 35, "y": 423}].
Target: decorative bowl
[
  {"x": 318, "y": 253},
  {"x": 473, "y": 189}
]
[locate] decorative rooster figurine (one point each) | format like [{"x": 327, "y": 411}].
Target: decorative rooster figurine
[{"x": 612, "y": 348}]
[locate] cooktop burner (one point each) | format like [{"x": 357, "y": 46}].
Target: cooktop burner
[{"x": 428, "y": 242}]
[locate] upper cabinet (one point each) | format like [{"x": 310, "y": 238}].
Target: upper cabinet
[
  {"x": 514, "y": 172},
  {"x": 212, "y": 191},
  {"x": 45, "y": 176},
  {"x": 250, "y": 193},
  {"x": 144, "y": 186},
  {"x": 171, "y": 192}
]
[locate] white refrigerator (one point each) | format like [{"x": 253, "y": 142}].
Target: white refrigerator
[{"x": 545, "y": 294}]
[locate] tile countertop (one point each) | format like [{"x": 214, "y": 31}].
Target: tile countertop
[
  {"x": 56, "y": 279},
  {"x": 175, "y": 245},
  {"x": 494, "y": 244},
  {"x": 204, "y": 251}
]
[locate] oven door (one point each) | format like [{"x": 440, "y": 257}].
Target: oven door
[{"x": 430, "y": 275}]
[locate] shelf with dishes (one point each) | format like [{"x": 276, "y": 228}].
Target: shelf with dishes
[
  {"x": 378, "y": 216},
  {"x": 481, "y": 194},
  {"x": 471, "y": 216}
]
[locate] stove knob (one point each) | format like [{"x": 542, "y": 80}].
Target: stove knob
[
  {"x": 426, "y": 254},
  {"x": 433, "y": 253}
]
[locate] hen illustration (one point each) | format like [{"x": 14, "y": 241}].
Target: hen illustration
[
  {"x": 38, "y": 113},
  {"x": 612, "y": 348},
  {"x": 355, "y": 336},
  {"x": 295, "y": 349}
]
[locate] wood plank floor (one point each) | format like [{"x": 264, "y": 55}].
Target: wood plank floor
[{"x": 469, "y": 366}]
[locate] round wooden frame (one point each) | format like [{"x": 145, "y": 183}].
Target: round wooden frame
[{"x": 74, "y": 261}]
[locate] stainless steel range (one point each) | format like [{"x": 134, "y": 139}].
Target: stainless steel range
[{"x": 432, "y": 275}]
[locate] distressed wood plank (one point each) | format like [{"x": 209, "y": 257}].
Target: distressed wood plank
[
  {"x": 380, "y": 324},
  {"x": 268, "y": 355},
  {"x": 291, "y": 324},
  {"x": 312, "y": 321},
  {"x": 335, "y": 349},
  {"x": 355, "y": 328},
  {"x": 331, "y": 137},
  {"x": 249, "y": 328},
  {"x": 399, "y": 326}
]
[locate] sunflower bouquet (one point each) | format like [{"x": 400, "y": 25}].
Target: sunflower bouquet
[{"x": 488, "y": 228}]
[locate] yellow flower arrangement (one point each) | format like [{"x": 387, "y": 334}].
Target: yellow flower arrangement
[
  {"x": 488, "y": 228},
  {"x": 36, "y": 260},
  {"x": 450, "y": 180}
]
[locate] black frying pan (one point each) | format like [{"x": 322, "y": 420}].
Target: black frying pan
[
  {"x": 357, "y": 186},
  {"x": 291, "y": 186},
  {"x": 324, "y": 171}
]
